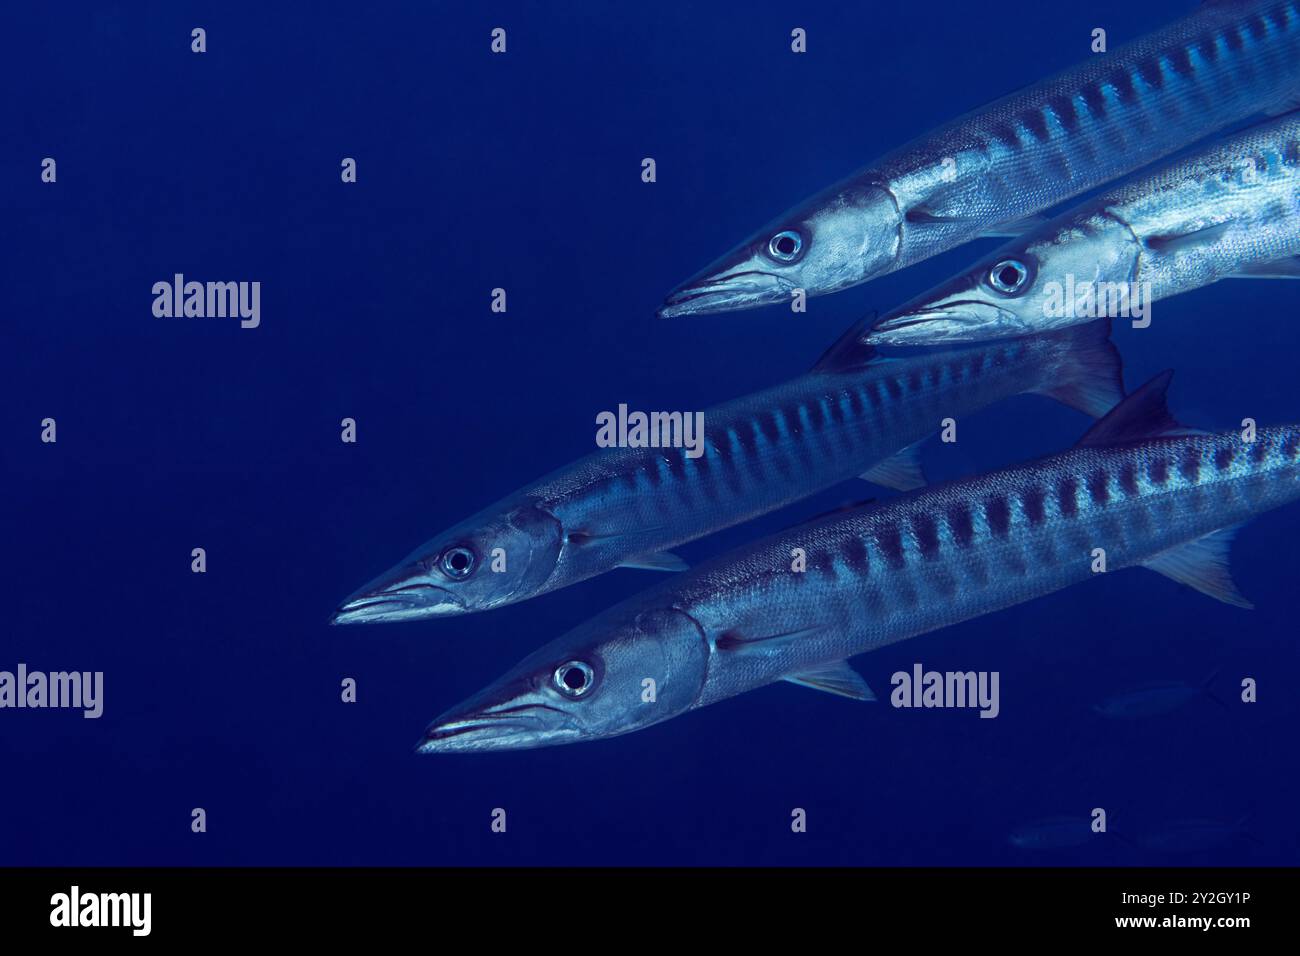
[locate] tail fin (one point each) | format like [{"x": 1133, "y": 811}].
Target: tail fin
[
  {"x": 1241, "y": 828},
  {"x": 1216, "y": 698},
  {"x": 1208, "y": 688},
  {"x": 1088, "y": 373}
]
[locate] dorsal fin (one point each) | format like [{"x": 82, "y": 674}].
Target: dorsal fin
[
  {"x": 1143, "y": 414},
  {"x": 849, "y": 351}
]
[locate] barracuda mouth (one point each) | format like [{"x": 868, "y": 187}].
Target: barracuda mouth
[
  {"x": 739, "y": 290},
  {"x": 960, "y": 321},
  {"x": 512, "y": 727},
  {"x": 398, "y": 601}
]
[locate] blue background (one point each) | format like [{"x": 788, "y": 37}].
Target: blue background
[{"x": 523, "y": 171}]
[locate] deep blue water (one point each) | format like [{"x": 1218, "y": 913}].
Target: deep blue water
[{"x": 523, "y": 171}]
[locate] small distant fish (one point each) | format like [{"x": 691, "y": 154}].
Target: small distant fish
[
  {"x": 1055, "y": 833},
  {"x": 1191, "y": 836},
  {"x": 989, "y": 171},
  {"x": 1229, "y": 210},
  {"x": 1150, "y": 700},
  {"x": 1148, "y": 490}
]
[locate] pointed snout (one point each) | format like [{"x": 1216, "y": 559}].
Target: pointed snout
[
  {"x": 471, "y": 736},
  {"x": 406, "y": 593},
  {"x": 475, "y": 728},
  {"x": 955, "y": 322},
  {"x": 713, "y": 292}
]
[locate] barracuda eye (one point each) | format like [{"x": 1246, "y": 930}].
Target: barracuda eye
[
  {"x": 457, "y": 562},
  {"x": 785, "y": 246},
  {"x": 1009, "y": 276},
  {"x": 574, "y": 678}
]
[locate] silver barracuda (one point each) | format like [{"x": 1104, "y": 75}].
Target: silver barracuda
[
  {"x": 1232, "y": 209},
  {"x": 852, "y": 414},
  {"x": 1138, "y": 485},
  {"x": 986, "y": 172}
]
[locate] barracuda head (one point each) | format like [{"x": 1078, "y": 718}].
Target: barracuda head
[
  {"x": 502, "y": 555},
  {"x": 836, "y": 240},
  {"x": 1034, "y": 284},
  {"x": 619, "y": 672}
]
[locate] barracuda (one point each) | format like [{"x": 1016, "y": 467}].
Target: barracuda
[
  {"x": 626, "y": 506},
  {"x": 986, "y": 172},
  {"x": 1230, "y": 210},
  {"x": 1138, "y": 485}
]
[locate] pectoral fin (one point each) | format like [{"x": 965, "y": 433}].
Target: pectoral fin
[
  {"x": 657, "y": 561},
  {"x": 1013, "y": 227},
  {"x": 737, "y": 640},
  {"x": 1203, "y": 564},
  {"x": 579, "y": 537},
  {"x": 902, "y": 472},
  {"x": 930, "y": 216},
  {"x": 837, "y": 678},
  {"x": 1181, "y": 242},
  {"x": 925, "y": 216}
]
